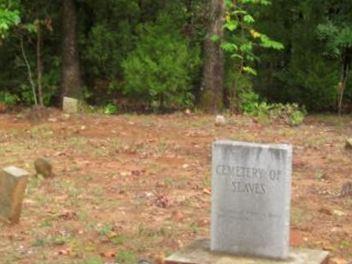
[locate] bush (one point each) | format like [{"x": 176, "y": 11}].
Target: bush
[
  {"x": 159, "y": 71},
  {"x": 290, "y": 114},
  {"x": 8, "y": 98},
  {"x": 110, "y": 109}
]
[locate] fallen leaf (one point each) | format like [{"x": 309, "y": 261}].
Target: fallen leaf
[
  {"x": 177, "y": 215},
  {"x": 339, "y": 213},
  {"x": 64, "y": 252},
  {"x": 206, "y": 191},
  {"x": 108, "y": 254}
]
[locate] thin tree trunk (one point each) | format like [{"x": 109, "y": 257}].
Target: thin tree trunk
[
  {"x": 39, "y": 65},
  {"x": 342, "y": 88},
  {"x": 29, "y": 72},
  {"x": 213, "y": 73},
  {"x": 71, "y": 83},
  {"x": 343, "y": 81}
]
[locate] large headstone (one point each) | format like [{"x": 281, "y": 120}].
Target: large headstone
[
  {"x": 13, "y": 182},
  {"x": 70, "y": 105},
  {"x": 251, "y": 189},
  {"x": 250, "y": 209}
]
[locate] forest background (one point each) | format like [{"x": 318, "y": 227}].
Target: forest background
[{"x": 252, "y": 56}]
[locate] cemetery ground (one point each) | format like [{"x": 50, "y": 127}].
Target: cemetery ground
[{"x": 130, "y": 187}]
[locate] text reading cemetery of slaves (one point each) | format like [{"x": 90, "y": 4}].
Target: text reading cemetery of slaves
[{"x": 249, "y": 180}]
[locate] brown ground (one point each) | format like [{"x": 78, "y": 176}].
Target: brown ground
[{"x": 138, "y": 186}]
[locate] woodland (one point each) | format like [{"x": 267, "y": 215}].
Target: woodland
[{"x": 252, "y": 56}]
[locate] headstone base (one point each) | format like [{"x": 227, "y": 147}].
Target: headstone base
[{"x": 199, "y": 253}]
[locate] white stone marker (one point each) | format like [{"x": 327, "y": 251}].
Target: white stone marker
[
  {"x": 13, "y": 182},
  {"x": 70, "y": 105},
  {"x": 251, "y": 190}
]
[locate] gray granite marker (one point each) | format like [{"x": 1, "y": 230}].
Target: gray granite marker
[
  {"x": 251, "y": 190},
  {"x": 13, "y": 182}
]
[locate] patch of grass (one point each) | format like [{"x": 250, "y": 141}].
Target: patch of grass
[
  {"x": 345, "y": 244},
  {"x": 169, "y": 182},
  {"x": 119, "y": 239},
  {"x": 33, "y": 184},
  {"x": 59, "y": 239},
  {"x": 40, "y": 242},
  {"x": 69, "y": 188},
  {"x": 80, "y": 247},
  {"x": 93, "y": 260},
  {"x": 46, "y": 223},
  {"x": 332, "y": 120},
  {"x": 162, "y": 147},
  {"x": 206, "y": 181},
  {"x": 105, "y": 230},
  {"x": 126, "y": 257},
  {"x": 299, "y": 216},
  {"x": 41, "y": 132},
  {"x": 320, "y": 175},
  {"x": 77, "y": 142},
  {"x": 194, "y": 227}
]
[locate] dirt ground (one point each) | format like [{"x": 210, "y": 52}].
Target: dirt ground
[{"x": 132, "y": 187}]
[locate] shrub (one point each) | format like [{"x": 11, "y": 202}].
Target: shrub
[
  {"x": 291, "y": 114},
  {"x": 110, "y": 109},
  {"x": 8, "y": 98},
  {"x": 159, "y": 70}
]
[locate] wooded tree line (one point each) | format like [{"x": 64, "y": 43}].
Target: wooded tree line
[{"x": 169, "y": 54}]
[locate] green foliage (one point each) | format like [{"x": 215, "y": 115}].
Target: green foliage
[
  {"x": 106, "y": 48},
  {"x": 93, "y": 260},
  {"x": 149, "y": 51},
  {"x": 241, "y": 41},
  {"x": 249, "y": 101},
  {"x": 8, "y": 98},
  {"x": 252, "y": 105},
  {"x": 161, "y": 68},
  {"x": 308, "y": 71},
  {"x": 111, "y": 109},
  {"x": 8, "y": 17},
  {"x": 337, "y": 37},
  {"x": 242, "y": 35}
]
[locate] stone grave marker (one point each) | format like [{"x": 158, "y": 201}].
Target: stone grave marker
[
  {"x": 250, "y": 212},
  {"x": 251, "y": 190},
  {"x": 70, "y": 105},
  {"x": 13, "y": 182}
]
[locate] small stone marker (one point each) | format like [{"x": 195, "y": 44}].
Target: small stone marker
[
  {"x": 251, "y": 190},
  {"x": 13, "y": 182},
  {"x": 70, "y": 105},
  {"x": 250, "y": 220},
  {"x": 43, "y": 167},
  {"x": 220, "y": 120}
]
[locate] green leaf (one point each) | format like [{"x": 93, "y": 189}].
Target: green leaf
[
  {"x": 250, "y": 70},
  {"x": 246, "y": 47},
  {"x": 237, "y": 56},
  {"x": 267, "y": 42},
  {"x": 248, "y": 19},
  {"x": 214, "y": 38},
  {"x": 229, "y": 47},
  {"x": 231, "y": 25}
]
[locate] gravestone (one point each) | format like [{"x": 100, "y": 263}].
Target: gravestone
[
  {"x": 251, "y": 190},
  {"x": 13, "y": 182},
  {"x": 250, "y": 218},
  {"x": 70, "y": 105}
]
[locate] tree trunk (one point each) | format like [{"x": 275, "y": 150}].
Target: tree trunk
[
  {"x": 346, "y": 61},
  {"x": 71, "y": 83},
  {"x": 39, "y": 65},
  {"x": 213, "y": 73}
]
